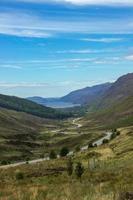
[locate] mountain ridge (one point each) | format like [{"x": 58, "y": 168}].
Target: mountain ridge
[{"x": 115, "y": 109}]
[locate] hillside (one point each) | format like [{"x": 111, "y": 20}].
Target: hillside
[
  {"x": 19, "y": 133},
  {"x": 87, "y": 95},
  {"x": 107, "y": 175},
  {"x": 42, "y": 100},
  {"x": 115, "y": 109},
  {"x": 119, "y": 91},
  {"x": 24, "y": 105}
]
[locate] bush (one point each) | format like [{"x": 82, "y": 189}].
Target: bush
[
  {"x": 113, "y": 136},
  {"x": 90, "y": 145},
  {"x": 70, "y": 167},
  {"x": 4, "y": 162},
  {"x": 105, "y": 141},
  {"x": 19, "y": 175},
  {"x": 93, "y": 154},
  {"x": 95, "y": 145},
  {"x": 42, "y": 156},
  {"x": 126, "y": 196},
  {"x": 64, "y": 151},
  {"x": 52, "y": 155},
  {"x": 115, "y": 133},
  {"x": 27, "y": 160},
  {"x": 79, "y": 170},
  {"x": 77, "y": 149},
  {"x": 118, "y": 133},
  {"x": 114, "y": 130}
]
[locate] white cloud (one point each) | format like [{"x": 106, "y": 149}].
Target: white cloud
[
  {"x": 55, "y": 61},
  {"x": 104, "y": 40},
  {"x": 88, "y": 51},
  {"x": 22, "y": 25},
  {"x": 24, "y": 33},
  {"x": 29, "y": 25},
  {"x": 10, "y": 66},
  {"x": 82, "y": 2},
  {"x": 22, "y": 85},
  {"x": 99, "y": 2},
  {"x": 107, "y": 62},
  {"x": 82, "y": 51},
  {"x": 130, "y": 57}
]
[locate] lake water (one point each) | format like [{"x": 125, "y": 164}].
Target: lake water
[{"x": 60, "y": 104}]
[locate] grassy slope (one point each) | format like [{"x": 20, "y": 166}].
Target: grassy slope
[
  {"x": 117, "y": 115},
  {"x": 112, "y": 174},
  {"x": 19, "y": 133},
  {"x": 24, "y": 105}
]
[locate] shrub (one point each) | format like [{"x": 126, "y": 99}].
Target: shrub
[
  {"x": 105, "y": 141},
  {"x": 69, "y": 167},
  {"x": 114, "y": 130},
  {"x": 93, "y": 154},
  {"x": 27, "y": 160},
  {"x": 4, "y": 162},
  {"x": 118, "y": 133},
  {"x": 79, "y": 170},
  {"x": 42, "y": 156},
  {"x": 77, "y": 149},
  {"x": 90, "y": 145},
  {"x": 64, "y": 151},
  {"x": 19, "y": 175},
  {"x": 95, "y": 145},
  {"x": 126, "y": 196},
  {"x": 52, "y": 155},
  {"x": 113, "y": 135}
]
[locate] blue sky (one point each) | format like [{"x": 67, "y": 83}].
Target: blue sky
[{"x": 49, "y": 48}]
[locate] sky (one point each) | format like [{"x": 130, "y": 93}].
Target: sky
[{"x": 50, "y": 48}]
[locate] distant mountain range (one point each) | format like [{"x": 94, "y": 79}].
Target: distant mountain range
[{"x": 79, "y": 97}]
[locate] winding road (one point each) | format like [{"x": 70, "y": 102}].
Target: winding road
[
  {"x": 76, "y": 123},
  {"x": 84, "y": 148}
]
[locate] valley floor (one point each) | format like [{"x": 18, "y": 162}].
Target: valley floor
[
  {"x": 30, "y": 137},
  {"x": 108, "y": 175}
]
